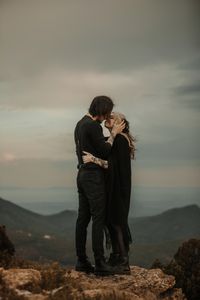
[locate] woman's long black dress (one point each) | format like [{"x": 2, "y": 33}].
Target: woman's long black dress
[{"x": 119, "y": 186}]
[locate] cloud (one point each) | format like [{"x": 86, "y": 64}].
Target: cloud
[
  {"x": 94, "y": 35},
  {"x": 167, "y": 177},
  {"x": 191, "y": 103},
  {"x": 188, "y": 96},
  {"x": 41, "y": 173},
  {"x": 59, "y": 88},
  {"x": 192, "y": 65},
  {"x": 172, "y": 150},
  {"x": 56, "y": 56},
  {"x": 7, "y": 157},
  {"x": 38, "y": 173},
  {"x": 188, "y": 89},
  {"x": 74, "y": 90}
]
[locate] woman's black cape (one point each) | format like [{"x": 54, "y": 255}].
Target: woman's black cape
[{"x": 118, "y": 183}]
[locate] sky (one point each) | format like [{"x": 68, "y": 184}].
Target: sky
[{"x": 56, "y": 56}]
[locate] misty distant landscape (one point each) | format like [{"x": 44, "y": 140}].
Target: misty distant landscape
[
  {"x": 145, "y": 201},
  {"x": 51, "y": 237}
]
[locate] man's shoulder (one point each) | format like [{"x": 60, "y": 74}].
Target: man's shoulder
[
  {"x": 82, "y": 121},
  {"x": 86, "y": 126},
  {"x": 87, "y": 122}
]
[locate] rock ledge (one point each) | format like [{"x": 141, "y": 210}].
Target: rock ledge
[{"x": 142, "y": 284}]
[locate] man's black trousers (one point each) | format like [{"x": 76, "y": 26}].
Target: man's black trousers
[{"x": 92, "y": 204}]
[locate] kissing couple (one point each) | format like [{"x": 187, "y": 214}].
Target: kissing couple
[{"x": 104, "y": 187}]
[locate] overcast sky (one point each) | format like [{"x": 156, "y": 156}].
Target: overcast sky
[{"x": 55, "y": 56}]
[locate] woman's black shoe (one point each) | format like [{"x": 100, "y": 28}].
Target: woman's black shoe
[
  {"x": 102, "y": 268},
  {"x": 113, "y": 259},
  {"x": 84, "y": 266},
  {"x": 123, "y": 267}
]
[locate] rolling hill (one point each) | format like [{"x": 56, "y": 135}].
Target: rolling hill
[
  {"x": 176, "y": 223},
  {"x": 18, "y": 218},
  {"x": 51, "y": 237}
]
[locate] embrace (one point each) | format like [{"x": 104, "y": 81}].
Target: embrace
[{"x": 104, "y": 187}]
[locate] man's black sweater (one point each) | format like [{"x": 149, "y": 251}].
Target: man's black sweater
[{"x": 89, "y": 137}]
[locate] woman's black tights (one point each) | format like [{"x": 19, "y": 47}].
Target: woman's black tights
[{"x": 117, "y": 240}]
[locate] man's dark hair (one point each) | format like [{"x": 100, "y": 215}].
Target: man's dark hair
[{"x": 101, "y": 106}]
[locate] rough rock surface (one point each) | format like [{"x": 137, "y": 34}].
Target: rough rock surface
[
  {"x": 22, "y": 283},
  {"x": 142, "y": 284},
  {"x": 24, "y": 279}
]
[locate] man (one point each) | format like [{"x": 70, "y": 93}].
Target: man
[{"x": 91, "y": 184}]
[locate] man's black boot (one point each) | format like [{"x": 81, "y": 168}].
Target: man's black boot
[
  {"x": 84, "y": 265},
  {"x": 113, "y": 259},
  {"x": 123, "y": 267},
  {"x": 102, "y": 268}
]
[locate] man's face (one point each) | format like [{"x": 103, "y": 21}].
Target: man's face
[
  {"x": 109, "y": 123},
  {"x": 100, "y": 119}
]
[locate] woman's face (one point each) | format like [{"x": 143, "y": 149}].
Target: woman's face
[{"x": 109, "y": 122}]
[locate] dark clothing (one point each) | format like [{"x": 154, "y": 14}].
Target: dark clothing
[
  {"x": 119, "y": 186},
  {"x": 89, "y": 137},
  {"x": 91, "y": 186},
  {"x": 92, "y": 203}
]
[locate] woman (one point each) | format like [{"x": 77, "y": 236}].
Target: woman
[{"x": 118, "y": 183}]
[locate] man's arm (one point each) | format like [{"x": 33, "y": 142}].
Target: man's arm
[
  {"x": 97, "y": 138},
  {"x": 88, "y": 157}
]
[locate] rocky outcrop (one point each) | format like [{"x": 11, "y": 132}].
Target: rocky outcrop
[{"x": 142, "y": 284}]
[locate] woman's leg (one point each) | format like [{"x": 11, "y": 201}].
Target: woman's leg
[
  {"x": 120, "y": 240},
  {"x": 119, "y": 258},
  {"x": 123, "y": 258}
]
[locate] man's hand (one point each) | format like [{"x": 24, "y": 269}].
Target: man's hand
[
  {"x": 115, "y": 130},
  {"x": 118, "y": 128},
  {"x": 88, "y": 157}
]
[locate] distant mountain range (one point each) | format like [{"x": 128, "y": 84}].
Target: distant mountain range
[
  {"x": 176, "y": 223},
  {"x": 18, "y": 218},
  {"x": 52, "y": 237}
]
